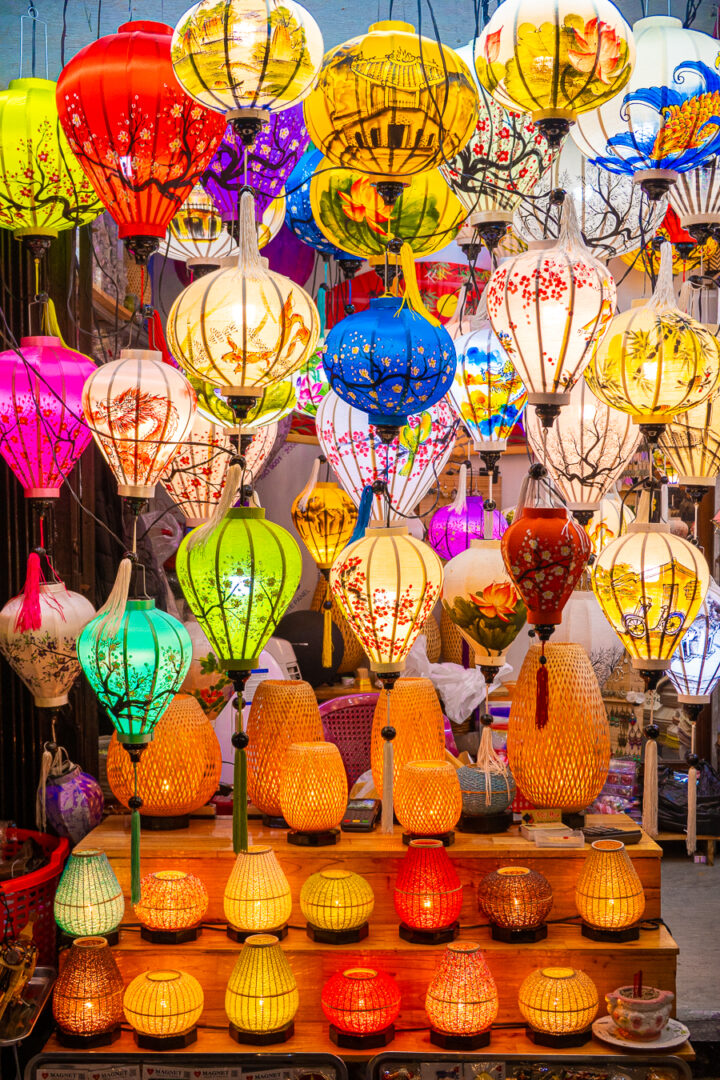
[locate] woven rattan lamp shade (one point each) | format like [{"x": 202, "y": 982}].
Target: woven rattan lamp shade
[
  {"x": 413, "y": 709},
  {"x": 257, "y": 896},
  {"x": 337, "y": 902},
  {"x": 283, "y": 711},
  {"x": 427, "y": 894},
  {"x": 362, "y": 1004},
  {"x": 313, "y": 787},
  {"x": 427, "y": 798},
  {"x": 89, "y": 900},
  {"x": 88, "y": 995},
  {"x": 563, "y": 764},
  {"x": 262, "y": 996},
  {"x": 609, "y": 894},
  {"x": 462, "y": 999},
  {"x": 172, "y": 903},
  {"x": 516, "y": 900},
  {"x": 163, "y": 1008},
  {"x": 558, "y": 1001}
]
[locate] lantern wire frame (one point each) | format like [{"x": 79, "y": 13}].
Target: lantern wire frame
[
  {"x": 262, "y": 997},
  {"x": 88, "y": 995}
]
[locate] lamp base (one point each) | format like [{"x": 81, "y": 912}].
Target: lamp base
[
  {"x": 362, "y": 1042},
  {"x": 485, "y": 823},
  {"x": 262, "y": 1038},
  {"x": 271, "y": 821},
  {"x": 459, "y": 1042},
  {"x": 447, "y": 839},
  {"x": 325, "y": 838},
  {"x": 523, "y": 936},
  {"x": 166, "y": 1042},
  {"x": 112, "y": 937},
  {"x": 165, "y": 824},
  {"x": 429, "y": 937},
  {"x": 243, "y": 935},
  {"x": 547, "y": 1038},
  {"x": 594, "y": 933},
  {"x": 337, "y": 937},
  {"x": 88, "y": 1042},
  {"x": 169, "y": 937}
]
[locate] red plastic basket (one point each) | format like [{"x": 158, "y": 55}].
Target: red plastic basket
[{"x": 34, "y": 893}]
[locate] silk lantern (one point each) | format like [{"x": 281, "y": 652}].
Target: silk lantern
[
  {"x": 257, "y": 898},
  {"x": 139, "y": 410},
  {"x": 88, "y": 995},
  {"x": 454, "y": 527},
  {"x": 362, "y": 1005},
  {"x": 89, "y": 899},
  {"x": 43, "y": 429},
  {"x": 609, "y": 894},
  {"x": 172, "y": 906},
  {"x": 311, "y": 384},
  {"x": 300, "y": 216},
  {"x": 559, "y": 1005},
  {"x": 695, "y": 664},
  {"x": 262, "y": 997},
  {"x": 427, "y": 894},
  {"x": 337, "y": 904},
  {"x": 692, "y": 443},
  {"x": 462, "y": 1000},
  {"x": 695, "y": 198},
  {"x": 163, "y": 1008},
  {"x": 555, "y": 62},
  {"x": 142, "y": 142},
  {"x": 197, "y": 235}
]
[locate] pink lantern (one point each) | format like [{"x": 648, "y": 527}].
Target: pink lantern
[{"x": 42, "y": 428}]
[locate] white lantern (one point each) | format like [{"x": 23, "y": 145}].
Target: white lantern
[
  {"x": 695, "y": 198},
  {"x": 692, "y": 442},
  {"x": 695, "y": 665}
]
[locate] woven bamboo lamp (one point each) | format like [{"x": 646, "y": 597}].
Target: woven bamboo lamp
[
  {"x": 413, "y": 709},
  {"x": 517, "y": 901},
  {"x": 262, "y": 996},
  {"x": 89, "y": 900},
  {"x": 462, "y": 999},
  {"x": 564, "y": 763},
  {"x": 313, "y": 793},
  {"x": 428, "y": 800},
  {"x": 257, "y": 897},
  {"x": 362, "y": 1005},
  {"x": 283, "y": 711},
  {"x": 172, "y": 906},
  {"x": 88, "y": 995},
  {"x": 337, "y": 904},
  {"x": 427, "y": 894},
  {"x": 609, "y": 894},
  {"x": 178, "y": 772},
  {"x": 163, "y": 1008},
  {"x": 559, "y": 1004}
]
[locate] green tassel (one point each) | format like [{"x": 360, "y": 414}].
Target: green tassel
[{"x": 135, "y": 857}]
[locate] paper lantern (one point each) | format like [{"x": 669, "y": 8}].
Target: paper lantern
[
  {"x": 427, "y": 800},
  {"x": 257, "y": 897},
  {"x": 650, "y": 585},
  {"x": 409, "y": 464},
  {"x": 462, "y": 1000},
  {"x": 41, "y": 423},
  {"x": 695, "y": 664},
  {"x": 692, "y": 442},
  {"x": 337, "y": 904},
  {"x": 139, "y": 410},
  {"x": 300, "y": 215},
  {"x": 172, "y": 907},
  {"x": 695, "y": 198},
  {"x": 325, "y": 517},
  {"x": 687, "y": 253},
  {"x": 362, "y": 1005},
  {"x": 73, "y": 799},
  {"x": 387, "y": 584},
  {"x": 657, "y": 128},
  {"x": 313, "y": 792},
  {"x": 88, "y": 995},
  {"x": 262, "y": 996},
  {"x": 609, "y": 894},
  {"x": 163, "y": 1008},
  {"x": 556, "y": 61},
  {"x": 564, "y": 763},
  {"x": 89, "y": 900},
  {"x": 273, "y": 403},
  {"x": 197, "y": 235},
  {"x": 427, "y": 894},
  {"x": 138, "y": 137},
  {"x": 559, "y": 1005},
  {"x": 454, "y": 528},
  {"x": 517, "y": 901},
  {"x": 413, "y": 709},
  {"x": 391, "y": 103}
]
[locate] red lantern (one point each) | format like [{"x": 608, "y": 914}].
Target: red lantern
[
  {"x": 362, "y": 1005},
  {"x": 142, "y": 141},
  {"x": 428, "y": 894}
]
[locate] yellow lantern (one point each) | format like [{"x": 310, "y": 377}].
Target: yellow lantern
[
  {"x": 559, "y": 1005},
  {"x": 337, "y": 904},
  {"x": 609, "y": 894},
  {"x": 163, "y": 1008},
  {"x": 325, "y": 517},
  {"x": 262, "y": 996},
  {"x": 257, "y": 896},
  {"x": 692, "y": 442}
]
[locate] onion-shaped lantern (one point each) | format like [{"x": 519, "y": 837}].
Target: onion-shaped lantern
[
  {"x": 555, "y": 61},
  {"x": 139, "y": 410},
  {"x": 692, "y": 443},
  {"x": 142, "y": 142},
  {"x": 452, "y": 528},
  {"x": 695, "y": 664}
]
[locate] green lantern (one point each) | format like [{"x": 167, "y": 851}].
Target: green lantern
[
  {"x": 89, "y": 899},
  {"x": 274, "y": 403}
]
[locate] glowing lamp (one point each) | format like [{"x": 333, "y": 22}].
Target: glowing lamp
[
  {"x": 325, "y": 518},
  {"x": 313, "y": 793},
  {"x": 462, "y": 1000},
  {"x": 517, "y": 901},
  {"x": 609, "y": 894},
  {"x": 413, "y": 709},
  {"x": 197, "y": 235},
  {"x": 692, "y": 443},
  {"x": 695, "y": 664},
  {"x": 257, "y": 897},
  {"x": 88, "y": 995},
  {"x": 262, "y": 996},
  {"x": 337, "y": 904},
  {"x": 453, "y": 530},
  {"x": 273, "y": 404},
  {"x": 172, "y": 907},
  {"x": 163, "y": 1008},
  {"x": 428, "y": 801},
  {"x": 300, "y": 215},
  {"x": 362, "y": 1005},
  {"x": 89, "y": 900},
  {"x": 427, "y": 894},
  {"x": 559, "y": 1004}
]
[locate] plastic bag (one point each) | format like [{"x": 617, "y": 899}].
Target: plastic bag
[{"x": 462, "y": 691}]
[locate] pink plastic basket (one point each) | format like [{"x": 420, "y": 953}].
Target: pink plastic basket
[
  {"x": 34, "y": 893},
  {"x": 347, "y": 721}
]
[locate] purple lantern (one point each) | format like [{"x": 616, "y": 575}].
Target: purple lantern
[
  {"x": 73, "y": 799},
  {"x": 453, "y": 527},
  {"x": 42, "y": 428}
]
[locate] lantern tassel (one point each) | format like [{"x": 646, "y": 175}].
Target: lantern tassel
[
  {"x": 691, "y": 832},
  {"x": 542, "y": 692},
  {"x": 412, "y": 293},
  {"x": 664, "y": 295},
  {"x": 240, "y": 741},
  {"x": 460, "y": 501},
  {"x": 112, "y": 611},
  {"x": 650, "y": 789},
  {"x": 249, "y": 257},
  {"x": 225, "y": 502},
  {"x": 364, "y": 512},
  {"x": 50, "y": 321},
  {"x": 46, "y": 767},
  {"x": 307, "y": 490},
  {"x": 327, "y": 647},
  {"x": 488, "y": 760},
  {"x": 29, "y": 617}
]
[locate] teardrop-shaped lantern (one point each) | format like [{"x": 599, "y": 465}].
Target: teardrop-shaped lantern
[
  {"x": 692, "y": 442},
  {"x": 325, "y": 516},
  {"x": 695, "y": 664},
  {"x": 695, "y": 198}
]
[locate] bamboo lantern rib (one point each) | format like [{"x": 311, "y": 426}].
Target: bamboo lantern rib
[
  {"x": 515, "y": 897},
  {"x": 313, "y": 787},
  {"x": 416, "y": 715},
  {"x": 262, "y": 994},
  {"x": 609, "y": 894},
  {"x": 558, "y": 1001},
  {"x": 282, "y": 712},
  {"x": 88, "y": 995},
  {"x": 163, "y": 1003},
  {"x": 427, "y": 797},
  {"x": 257, "y": 895}
]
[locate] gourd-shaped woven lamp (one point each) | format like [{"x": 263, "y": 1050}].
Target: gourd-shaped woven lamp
[
  {"x": 413, "y": 709},
  {"x": 88, "y": 995},
  {"x": 427, "y": 894},
  {"x": 462, "y": 999},
  {"x": 609, "y": 894},
  {"x": 257, "y": 897},
  {"x": 89, "y": 900},
  {"x": 262, "y": 996}
]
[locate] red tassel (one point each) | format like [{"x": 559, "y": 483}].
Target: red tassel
[
  {"x": 156, "y": 339},
  {"x": 542, "y": 697},
  {"x": 29, "y": 616}
]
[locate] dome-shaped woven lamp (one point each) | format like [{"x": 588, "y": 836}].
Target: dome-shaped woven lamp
[
  {"x": 283, "y": 711},
  {"x": 413, "y": 709},
  {"x": 517, "y": 901},
  {"x": 362, "y": 1005},
  {"x": 257, "y": 897},
  {"x": 337, "y": 904},
  {"x": 88, "y": 995},
  {"x": 609, "y": 894},
  {"x": 462, "y": 999},
  {"x": 179, "y": 770},
  {"x": 427, "y": 799},
  {"x": 172, "y": 906},
  {"x": 353, "y": 655},
  {"x": 89, "y": 900},
  {"x": 559, "y": 1004},
  {"x": 313, "y": 793},
  {"x": 163, "y": 1008},
  {"x": 262, "y": 995},
  {"x": 563, "y": 764},
  {"x": 427, "y": 894}
]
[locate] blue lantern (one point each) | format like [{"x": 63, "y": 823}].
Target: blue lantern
[
  {"x": 389, "y": 361},
  {"x": 298, "y": 211},
  {"x": 695, "y": 664}
]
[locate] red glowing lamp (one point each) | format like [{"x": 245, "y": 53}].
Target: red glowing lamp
[
  {"x": 362, "y": 1005},
  {"x": 428, "y": 894}
]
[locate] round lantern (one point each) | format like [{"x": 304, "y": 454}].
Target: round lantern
[
  {"x": 655, "y": 131},
  {"x": 139, "y": 410},
  {"x": 337, "y": 904},
  {"x": 695, "y": 664},
  {"x": 555, "y": 62},
  {"x": 88, "y": 995},
  {"x": 362, "y": 1005},
  {"x": 563, "y": 763},
  {"x": 313, "y": 793},
  {"x": 257, "y": 896},
  {"x": 172, "y": 906},
  {"x": 413, "y": 709},
  {"x": 89, "y": 899},
  {"x": 73, "y": 799},
  {"x": 462, "y": 1000},
  {"x": 517, "y": 901},
  {"x": 609, "y": 894},
  {"x": 427, "y": 894},
  {"x": 197, "y": 236},
  {"x": 177, "y": 773},
  {"x": 454, "y": 528},
  {"x": 163, "y": 1008},
  {"x": 261, "y": 998},
  {"x": 139, "y": 138},
  {"x": 559, "y": 1005},
  {"x": 299, "y": 213},
  {"x": 692, "y": 442},
  {"x": 272, "y": 404},
  {"x": 427, "y": 800},
  {"x": 43, "y": 190},
  {"x": 695, "y": 198},
  {"x": 41, "y": 422}
]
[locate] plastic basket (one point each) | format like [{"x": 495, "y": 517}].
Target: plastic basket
[{"x": 34, "y": 893}]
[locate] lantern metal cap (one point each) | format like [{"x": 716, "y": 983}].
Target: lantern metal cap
[
  {"x": 145, "y": 26},
  {"x": 655, "y": 20},
  {"x": 238, "y": 512},
  {"x": 386, "y": 530},
  {"x": 394, "y": 25},
  {"x": 647, "y": 527},
  {"x": 140, "y": 354},
  {"x": 140, "y": 604},
  {"x": 484, "y": 544}
]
